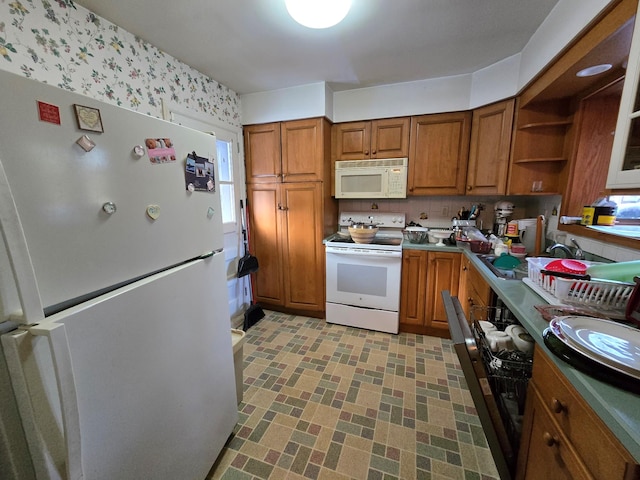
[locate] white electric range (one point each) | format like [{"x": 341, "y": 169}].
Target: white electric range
[{"x": 363, "y": 279}]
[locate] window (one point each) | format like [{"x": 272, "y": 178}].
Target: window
[
  {"x": 628, "y": 208},
  {"x": 225, "y": 180}
]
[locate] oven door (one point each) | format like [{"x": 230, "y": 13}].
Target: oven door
[
  {"x": 364, "y": 278},
  {"x": 464, "y": 343}
]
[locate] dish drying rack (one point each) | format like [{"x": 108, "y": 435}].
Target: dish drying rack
[
  {"x": 599, "y": 295},
  {"x": 508, "y": 372}
]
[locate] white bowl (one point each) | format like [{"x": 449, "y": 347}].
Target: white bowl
[
  {"x": 521, "y": 338},
  {"x": 499, "y": 341},
  {"x": 487, "y": 326}
]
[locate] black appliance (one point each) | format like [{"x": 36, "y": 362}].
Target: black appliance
[{"x": 497, "y": 380}]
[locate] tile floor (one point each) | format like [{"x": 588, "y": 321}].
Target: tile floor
[{"x": 323, "y": 401}]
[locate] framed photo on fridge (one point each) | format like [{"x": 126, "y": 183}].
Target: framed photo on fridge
[{"x": 88, "y": 118}]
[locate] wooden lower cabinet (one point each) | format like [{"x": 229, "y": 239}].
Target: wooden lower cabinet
[
  {"x": 286, "y": 222},
  {"x": 424, "y": 275},
  {"x": 473, "y": 290},
  {"x": 562, "y": 437}
]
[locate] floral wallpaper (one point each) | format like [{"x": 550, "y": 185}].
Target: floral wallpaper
[{"x": 63, "y": 44}]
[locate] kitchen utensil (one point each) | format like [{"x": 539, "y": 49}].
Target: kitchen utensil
[
  {"x": 416, "y": 234},
  {"x": 537, "y": 248},
  {"x": 506, "y": 262},
  {"x": 575, "y": 276},
  {"x": 632, "y": 312},
  {"x": 567, "y": 266},
  {"x": 363, "y": 233},
  {"x": 611, "y": 343},
  {"x": 499, "y": 340},
  {"x": 521, "y": 338},
  {"x": 478, "y": 246},
  {"x": 487, "y": 326},
  {"x": 440, "y": 235},
  {"x": 549, "y": 312}
]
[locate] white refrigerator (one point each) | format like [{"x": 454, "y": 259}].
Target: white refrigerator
[{"x": 116, "y": 358}]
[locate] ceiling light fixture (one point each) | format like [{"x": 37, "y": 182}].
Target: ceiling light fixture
[
  {"x": 318, "y": 13},
  {"x": 594, "y": 70}
]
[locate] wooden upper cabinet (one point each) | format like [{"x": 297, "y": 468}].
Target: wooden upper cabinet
[
  {"x": 262, "y": 153},
  {"x": 438, "y": 154},
  {"x": 385, "y": 138},
  {"x": 286, "y": 151},
  {"x": 303, "y": 152},
  {"x": 489, "y": 151}
]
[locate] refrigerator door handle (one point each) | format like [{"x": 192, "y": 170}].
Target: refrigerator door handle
[
  {"x": 61, "y": 357},
  {"x": 21, "y": 265}
]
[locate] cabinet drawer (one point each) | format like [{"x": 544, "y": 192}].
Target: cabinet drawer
[{"x": 595, "y": 444}]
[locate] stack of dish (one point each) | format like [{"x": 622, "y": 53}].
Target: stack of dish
[{"x": 609, "y": 344}]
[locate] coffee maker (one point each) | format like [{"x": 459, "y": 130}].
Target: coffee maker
[{"x": 503, "y": 211}]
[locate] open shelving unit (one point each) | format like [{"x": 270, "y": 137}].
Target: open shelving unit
[{"x": 541, "y": 147}]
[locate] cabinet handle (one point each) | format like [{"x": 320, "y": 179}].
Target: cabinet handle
[
  {"x": 470, "y": 300},
  {"x": 373, "y": 152},
  {"x": 366, "y": 152},
  {"x": 469, "y": 188},
  {"x": 549, "y": 440},
  {"x": 464, "y": 269},
  {"x": 557, "y": 406},
  {"x": 282, "y": 208}
]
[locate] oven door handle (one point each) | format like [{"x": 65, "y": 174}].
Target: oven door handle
[{"x": 364, "y": 252}]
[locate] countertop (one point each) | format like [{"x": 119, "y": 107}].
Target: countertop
[{"x": 618, "y": 409}]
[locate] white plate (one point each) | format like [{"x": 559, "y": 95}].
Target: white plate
[
  {"x": 557, "y": 331},
  {"x": 611, "y": 343}
]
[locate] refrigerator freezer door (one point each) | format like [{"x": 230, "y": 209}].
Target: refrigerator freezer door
[
  {"x": 59, "y": 191},
  {"x": 154, "y": 379}
]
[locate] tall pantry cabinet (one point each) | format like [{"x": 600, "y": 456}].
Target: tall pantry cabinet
[{"x": 290, "y": 212}]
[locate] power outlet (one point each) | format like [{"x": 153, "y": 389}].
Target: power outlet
[{"x": 445, "y": 211}]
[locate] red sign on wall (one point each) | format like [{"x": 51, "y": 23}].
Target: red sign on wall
[{"x": 48, "y": 113}]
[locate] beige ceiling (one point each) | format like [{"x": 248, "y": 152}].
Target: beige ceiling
[{"x": 253, "y": 45}]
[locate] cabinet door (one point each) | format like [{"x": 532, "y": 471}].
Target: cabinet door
[
  {"x": 353, "y": 140},
  {"x": 390, "y": 137},
  {"x": 303, "y": 150},
  {"x": 443, "y": 274},
  {"x": 266, "y": 234},
  {"x": 438, "y": 154},
  {"x": 303, "y": 260},
  {"x": 489, "y": 152},
  {"x": 624, "y": 168},
  {"x": 545, "y": 452},
  {"x": 413, "y": 288},
  {"x": 473, "y": 289},
  {"x": 262, "y": 153}
]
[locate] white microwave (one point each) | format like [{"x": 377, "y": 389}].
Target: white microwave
[{"x": 376, "y": 178}]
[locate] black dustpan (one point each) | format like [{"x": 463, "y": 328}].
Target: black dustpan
[{"x": 247, "y": 264}]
